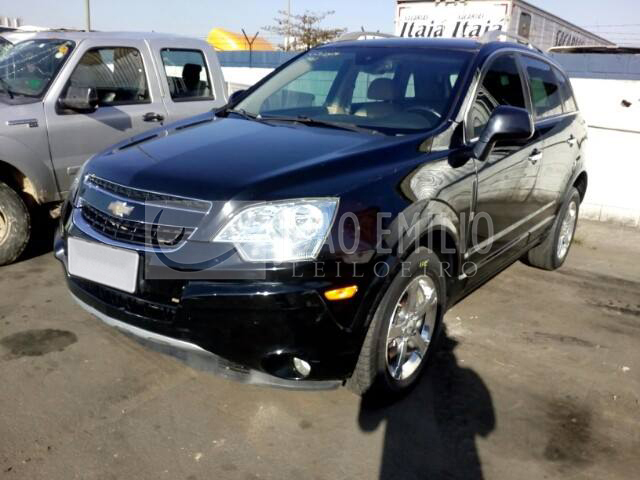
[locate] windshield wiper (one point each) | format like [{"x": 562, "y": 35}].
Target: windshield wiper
[
  {"x": 244, "y": 114},
  {"x": 6, "y": 87},
  {"x": 323, "y": 123}
]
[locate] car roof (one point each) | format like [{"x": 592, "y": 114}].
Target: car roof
[
  {"x": 83, "y": 34},
  {"x": 438, "y": 43},
  {"x": 399, "y": 42}
]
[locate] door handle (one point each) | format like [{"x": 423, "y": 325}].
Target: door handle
[
  {"x": 572, "y": 141},
  {"x": 152, "y": 117},
  {"x": 535, "y": 156}
]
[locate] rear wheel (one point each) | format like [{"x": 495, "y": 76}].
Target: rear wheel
[
  {"x": 553, "y": 251},
  {"x": 404, "y": 327},
  {"x": 15, "y": 225}
]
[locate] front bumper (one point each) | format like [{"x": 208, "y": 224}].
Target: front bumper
[{"x": 246, "y": 330}]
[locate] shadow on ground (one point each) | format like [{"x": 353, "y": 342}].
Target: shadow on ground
[
  {"x": 43, "y": 229},
  {"x": 431, "y": 433}
]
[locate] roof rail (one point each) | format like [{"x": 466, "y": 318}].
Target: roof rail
[
  {"x": 499, "y": 35},
  {"x": 349, "y": 36}
]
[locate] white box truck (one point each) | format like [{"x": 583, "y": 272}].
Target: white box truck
[{"x": 474, "y": 18}]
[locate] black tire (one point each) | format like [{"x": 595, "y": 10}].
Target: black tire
[
  {"x": 15, "y": 225},
  {"x": 545, "y": 255},
  {"x": 371, "y": 375}
]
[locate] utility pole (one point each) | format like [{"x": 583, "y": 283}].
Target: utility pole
[
  {"x": 87, "y": 15},
  {"x": 288, "y": 41}
]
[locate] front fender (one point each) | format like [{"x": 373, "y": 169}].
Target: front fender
[{"x": 40, "y": 180}]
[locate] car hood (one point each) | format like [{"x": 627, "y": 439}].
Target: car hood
[{"x": 232, "y": 158}]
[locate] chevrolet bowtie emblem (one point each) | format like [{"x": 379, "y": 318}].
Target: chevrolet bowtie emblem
[{"x": 120, "y": 209}]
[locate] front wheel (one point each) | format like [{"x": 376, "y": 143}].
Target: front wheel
[
  {"x": 553, "y": 251},
  {"x": 15, "y": 225},
  {"x": 401, "y": 335}
]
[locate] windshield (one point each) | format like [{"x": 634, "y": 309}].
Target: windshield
[
  {"x": 4, "y": 45},
  {"x": 27, "y": 68},
  {"x": 399, "y": 90}
]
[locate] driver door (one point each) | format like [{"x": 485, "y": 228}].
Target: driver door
[
  {"x": 127, "y": 92},
  {"x": 505, "y": 208}
]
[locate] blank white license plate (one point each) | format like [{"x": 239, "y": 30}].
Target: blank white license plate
[{"x": 113, "y": 267}]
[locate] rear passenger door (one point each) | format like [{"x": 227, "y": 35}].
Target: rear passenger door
[
  {"x": 504, "y": 209},
  {"x": 122, "y": 75},
  {"x": 188, "y": 79},
  {"x": 557, "y": 123}
]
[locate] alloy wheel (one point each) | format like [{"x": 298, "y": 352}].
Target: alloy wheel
[
  {"x": 567, "y": 230},
  {"x": 412, "y": 327}
]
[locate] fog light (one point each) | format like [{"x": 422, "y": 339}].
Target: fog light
[{"x": 302, "y": 367}]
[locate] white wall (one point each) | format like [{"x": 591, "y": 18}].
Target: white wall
[
  {"x": 239, "y": 78},
  {"x": 613, "y": 148}
]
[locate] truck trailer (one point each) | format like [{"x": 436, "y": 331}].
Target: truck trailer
[{"x": 475, "y": 18}]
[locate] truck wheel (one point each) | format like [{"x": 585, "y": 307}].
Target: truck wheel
[
  {"x": 15, "y": 225},
  {"x": 403, "y": 330},
  {"x": 553, "y": 251}
]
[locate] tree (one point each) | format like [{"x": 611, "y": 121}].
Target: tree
[{"x": 303, "y": 31}]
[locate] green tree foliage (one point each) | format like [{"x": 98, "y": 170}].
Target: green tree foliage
[{"x": 303, "y": 31}]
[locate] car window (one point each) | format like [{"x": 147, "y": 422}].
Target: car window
[
  {"x": 545, "y": 90},
  {"x": 116, "y": 73},
  {"x": 310, "y": 90},
  {"x": 187, "y": 74},
  {"x": 568, "y": 100},
  {"x": 501, "y": 85},
  {"x": 393, "y": 91}
]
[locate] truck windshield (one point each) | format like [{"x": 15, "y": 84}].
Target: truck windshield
[
  {"x": 389, "y": 90},
  {"x": 27, "y": 68}
]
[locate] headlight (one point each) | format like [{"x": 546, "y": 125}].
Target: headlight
[
  {"x": 73, "y": 189},
  {"x": 287, "y": 231}
]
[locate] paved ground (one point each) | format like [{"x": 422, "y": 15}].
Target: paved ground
[{"x": 538, "y": 377}]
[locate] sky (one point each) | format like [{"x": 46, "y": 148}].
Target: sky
[{"x": 618, "y": 20}]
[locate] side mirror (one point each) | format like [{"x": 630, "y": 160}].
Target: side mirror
[
  {"x": 80, "y": 99},
  {"x": 505, "y": 123},
  {"x": 235, "y": 96}
]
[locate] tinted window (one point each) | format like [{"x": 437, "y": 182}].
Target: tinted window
[
  {"x": 399, "y": 90},
  {"x": 363, "y": 84},
  {"x": 501, "y": 85},
  {"x": 116, "y": 73},
  {"x": 568, "y": 99},
  {"x": 545, "y": 90},
  {"x": 187, "y": 74},
  {"x": 309, "y": 90}
]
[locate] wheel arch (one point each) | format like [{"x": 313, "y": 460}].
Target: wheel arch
[
  {"x": 19, "y": 182},
  {"x": 580, "y": 183}
]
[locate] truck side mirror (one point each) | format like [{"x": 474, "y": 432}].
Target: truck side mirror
[
  {"x": 80, "y": 99},
  {"x": 505, "y": 123}
]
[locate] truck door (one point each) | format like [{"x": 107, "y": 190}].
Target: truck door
[
  {"x": 127, "y": 97},
  {"x": 190, "y": 77},
  {"x": 504, "y": 210}
]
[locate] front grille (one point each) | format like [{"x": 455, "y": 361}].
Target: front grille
[
  {"x": 147, "y": 197},
  {"x": 131, "y": 231}
]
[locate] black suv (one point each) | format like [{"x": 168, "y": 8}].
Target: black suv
[{"x": 316, "y": 229}]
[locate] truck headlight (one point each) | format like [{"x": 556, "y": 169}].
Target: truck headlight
[{"x": 284, "y": 231}]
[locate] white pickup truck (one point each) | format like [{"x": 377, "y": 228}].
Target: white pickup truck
[{"x": 66, "y": 95}]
